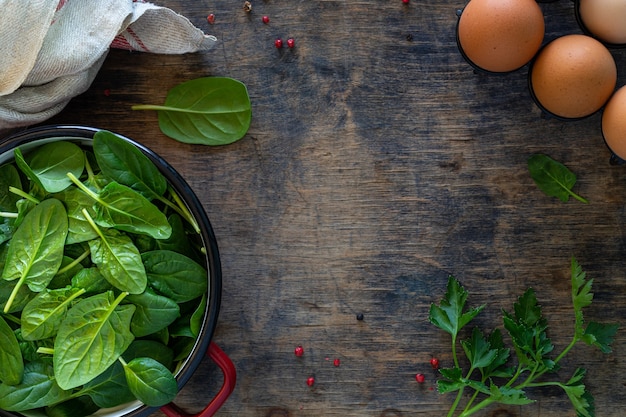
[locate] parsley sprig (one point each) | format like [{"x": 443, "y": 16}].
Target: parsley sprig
[{"x": 490, "y": 376}]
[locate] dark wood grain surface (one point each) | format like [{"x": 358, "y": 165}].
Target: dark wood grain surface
[{"x": 377, "y": 164}]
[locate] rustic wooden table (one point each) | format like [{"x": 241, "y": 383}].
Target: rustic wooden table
[{"x": 377, "y": 164}]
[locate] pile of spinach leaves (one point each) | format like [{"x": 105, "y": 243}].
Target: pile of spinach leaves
[{"x": 103, "y": 289}]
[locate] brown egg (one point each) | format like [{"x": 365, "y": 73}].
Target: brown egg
[
  {"x": 605, "y": 19},
  {"x": 500, "y": 35},
  {"x": 614, "y": 123},
  {"x": 573, "y": 76}
]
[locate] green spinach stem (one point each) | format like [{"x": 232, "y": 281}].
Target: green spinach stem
[
  {"x": 74, "y": 262},
  {"x": 23, "y": 194}
]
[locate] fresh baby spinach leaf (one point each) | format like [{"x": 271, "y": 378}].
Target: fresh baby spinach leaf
[
  {"x": 207, "y": 111},
  {"x": 37, "y": 389},
  {"x": 36, "y": 249},
  {"x": 154, "y": 312},
  {"x": 127, "y": 165},
  {"x": 74, "y": 407},
  {"x": 26, "y": 169},
  {"x": 79, "y": 229},
  {"x": 11, "y": 362},
  {"x": 175, "y": 275},
  {"x": 51, "y": 163},
  {"x": 119, "y": 261},
  {"x": 553, "y": 178},
  {"x": 43, "y": 315},
  {"x": 123, "y": 208},
  {"x": 150, "y": 381},
  {"x": 94, "y": 333}
]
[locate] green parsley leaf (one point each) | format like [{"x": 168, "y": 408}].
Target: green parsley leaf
[
  {"x": 580, "y": 398},
  {"x": 508, "y": 395},
  {"x": 449, "y": 316},
  {"x": 478, "y": 350},
  {"x": 600, "y": 335}
]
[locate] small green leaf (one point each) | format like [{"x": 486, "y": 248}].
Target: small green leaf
[
  {"x": 208, "y": 111},
  {"x": 552, "y": 177},
  {"x": 11, "y": 361},
  {"x": 51, "y": 163},
  {"x": 527, "y": 310},
  {"x": 37, "y": 389},
  {"x": 507, "y": 395},
  {"x": 43, "y": 315},
  {"x": 580, "y": 398},
  {"x": 449, "y": 316},
  {"x": 497, "y": 367},
  {"x": 124, "y": 163},
  {"x": 150, "y": 381},
  {"x": 600, "y": 335},
  {"x": 119, "y": 261},
  {"x": 581, "y": 295},
  {"x": 478, "y": 350},
  {"x": 95, "y": 332}
]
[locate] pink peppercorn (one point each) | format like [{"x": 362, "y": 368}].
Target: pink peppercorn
[
  {"x": 337, "y": 362},
  {"x": 420, "y": 378},
  {"x": 265, "y": 19},
  {"x": 278, "y": 43},
  {"x": 291, "y": 43},
  {"x": 310, "y": 381},
  {"x": 298, "y": 351},
  {"x": 211, "y": 18}
]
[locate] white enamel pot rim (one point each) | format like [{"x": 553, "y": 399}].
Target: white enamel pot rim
[{"x": 40, "y": 135}]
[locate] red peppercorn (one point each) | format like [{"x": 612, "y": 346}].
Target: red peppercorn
[
  {"x": 310, "y": 381},
  {"x": 291, "y": 43},
  {"x": 420, "y": 378},
  {"x": 278, "y": 43},
  {"x": 434, "y": 362},
  {"x": 337, "y": 362},
  {"x": 299, "y": 351},
  {"x": 266, "y": 19},
  {"x": 406, "y": 1},
  {"x": 211, "y": 18}
]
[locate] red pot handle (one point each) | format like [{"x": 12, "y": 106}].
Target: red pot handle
[{"x": 230, "y": 376}]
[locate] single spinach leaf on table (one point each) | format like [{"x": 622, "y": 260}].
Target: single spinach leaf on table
[
  {"x": 11, "y": 361},
  {"x": 37, "y": 389},
  {"x": 51, "y": 163},
  {"x": 127, "y": 165},
  {"x": 36, "y": 249},
  {"x": 553, "y": 178},
  {"x": 207, "y": 111},
  {"x": 94, "y": 333}
]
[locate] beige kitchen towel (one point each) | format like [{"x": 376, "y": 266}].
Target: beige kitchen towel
[{"x": 52, "y": 49}]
